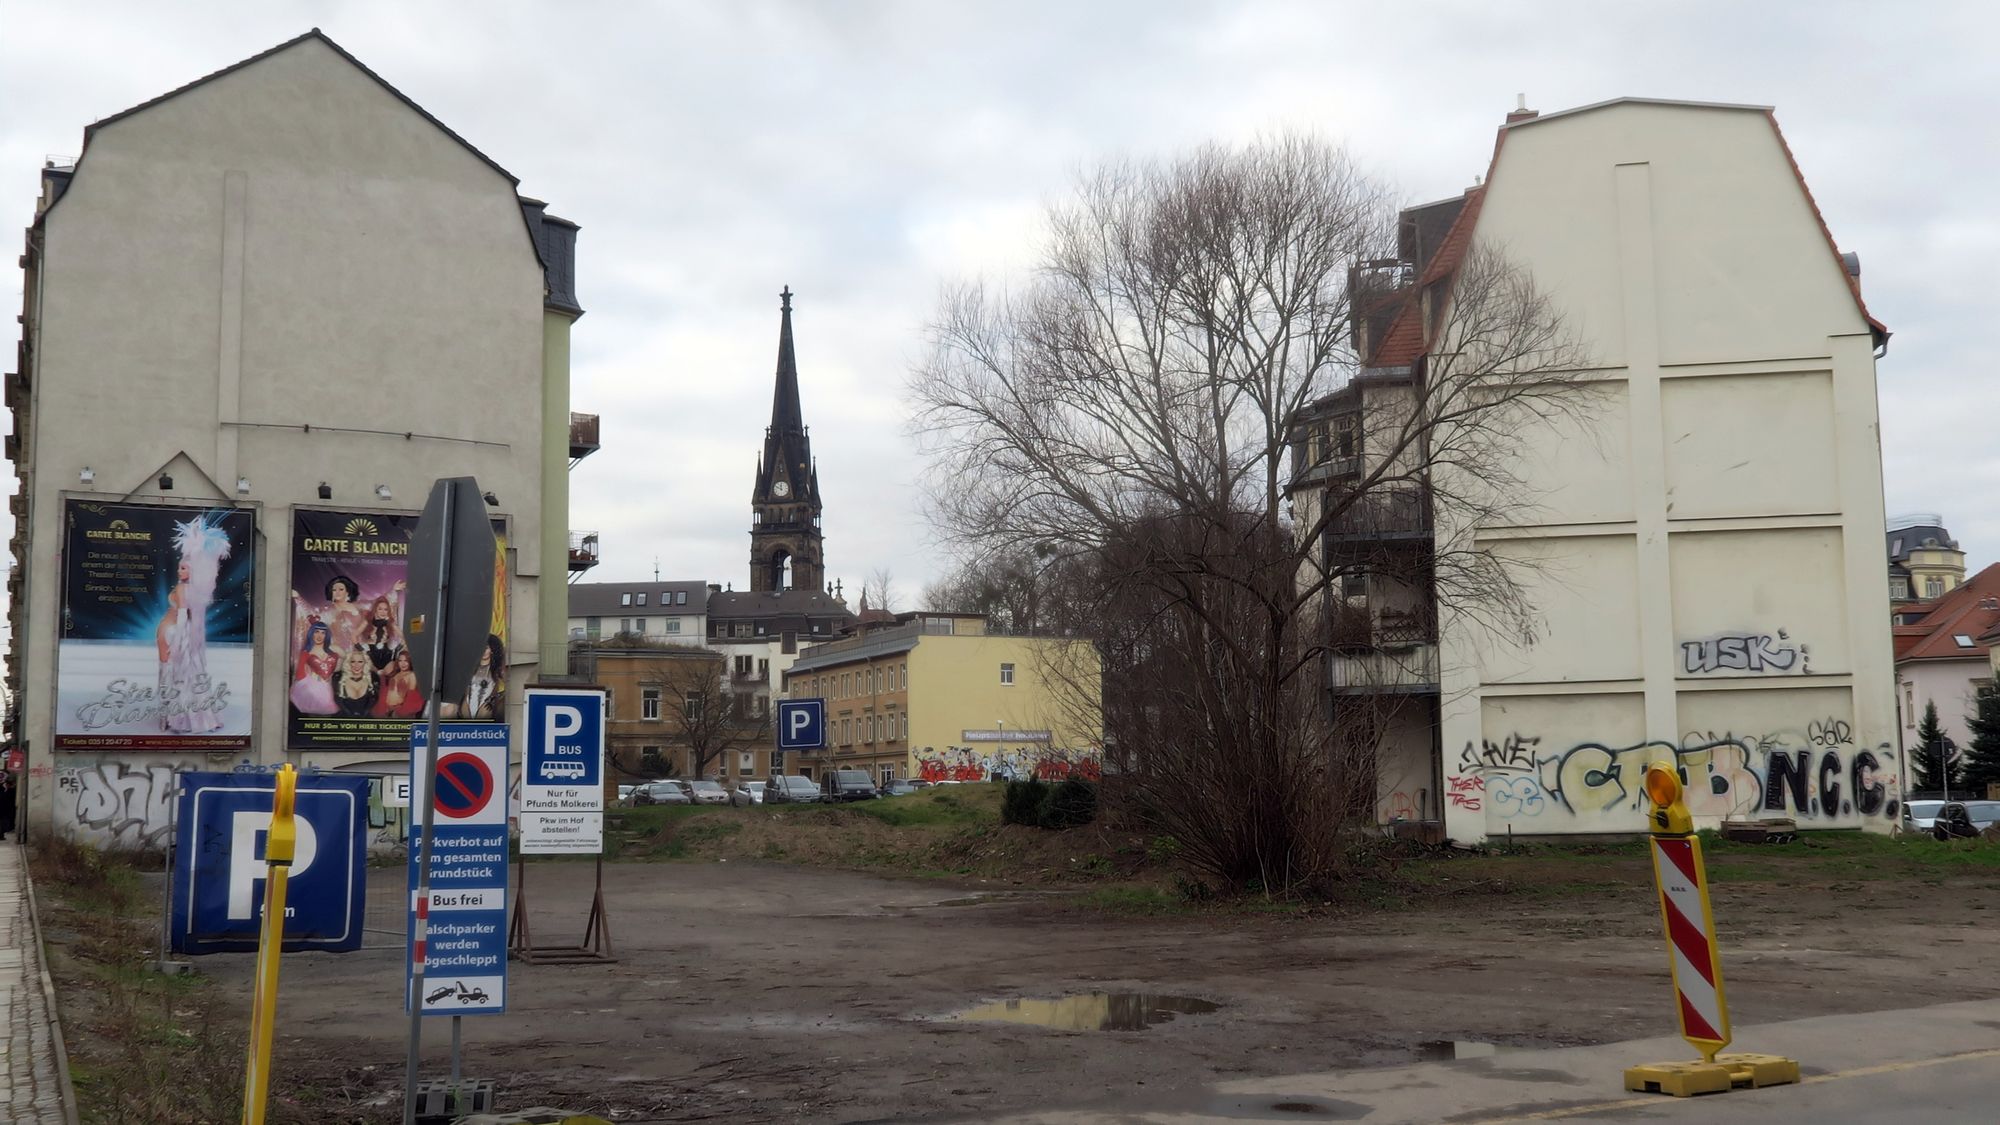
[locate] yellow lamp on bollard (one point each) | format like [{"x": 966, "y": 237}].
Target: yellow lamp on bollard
[
  {"x": 1699, "y": 1001},
  {"x": 280, "y": 843}
]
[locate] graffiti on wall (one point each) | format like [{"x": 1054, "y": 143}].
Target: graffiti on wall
[
  {"x": 964, "y": 763},
  {"x": 1815, "y": 775},
  {"x": 1761, "y": 653},
  {"x": 116, "y": 805}
]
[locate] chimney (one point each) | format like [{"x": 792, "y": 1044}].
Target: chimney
[{"x": 1521, "y": 110}]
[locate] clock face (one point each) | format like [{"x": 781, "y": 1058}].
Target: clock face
[{"x": 781, "y": 489}]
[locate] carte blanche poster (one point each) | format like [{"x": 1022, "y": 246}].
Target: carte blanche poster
[
  {"x": 155, "y": 649},
  {"x": 351, "y": 683}
]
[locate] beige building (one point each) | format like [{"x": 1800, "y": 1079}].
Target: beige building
[
  {"x": 1699, "y": 546},
  {"x": 283, "y": 296},
  {"x": 1924, "y": 560},
  {"x": 934, "y": 696}
]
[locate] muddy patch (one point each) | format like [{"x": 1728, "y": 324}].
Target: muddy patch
[{"x": 1093, "y": 1011}]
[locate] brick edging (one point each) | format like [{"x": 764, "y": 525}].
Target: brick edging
[{"x": 68, "y": 1090}]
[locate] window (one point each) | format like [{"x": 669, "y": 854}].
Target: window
[
  {"x": 594, "y": 626},
  {"x": 746, "y": 762},
  {"x": 1899, "y": 588},
  {"x": 763, "y": 669},
  {"x": 1353, "y": 585},
  {"x": 624, "y": 624},
  {"x": 694, "y": 707},
  {"x": 763, "y": 706},
  {"x": 818, "y": 626},
  {"x": 906, "y": 726},
  {"x": 624, "y": 599},
  {"x": 639, "y": 599},
  {"x": 888, "y": 774},
  {"x": 1007, "y": 674},
  {"x": 1909, "y": 706},
  {"x": 680, "y": 597},
  {"x": 673, "y": 624},
  {"x": 742, "y": 665},
  {"x": 740, "y": 629},
  {"x": 903, "y": 675},
  {"x": 1933, "y": 587},
  {"x": 1961, "y": 640},
  {"x": 639, "y": 625},
  {"x": 649, "y": 704},
  {"x": 791, "y": 643}
]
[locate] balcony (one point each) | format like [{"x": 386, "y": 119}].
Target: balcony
[
  {"x": 1406, "y": 670},
  {"x": 582, "y": 551},
  {"x": 1326, "y": 470},
  {"x": 1384, "y": 515},
  {"x": 582, "y": 436}
]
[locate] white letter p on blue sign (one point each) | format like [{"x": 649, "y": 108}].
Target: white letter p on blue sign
[
  {"x": 799, "y": 720},
  {"x": 562, "y": 721}
]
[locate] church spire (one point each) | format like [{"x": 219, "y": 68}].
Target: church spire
[{"x": 786, "y": 417}]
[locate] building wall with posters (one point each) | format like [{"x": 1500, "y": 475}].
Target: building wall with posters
[{"x": 271, "y": 306}]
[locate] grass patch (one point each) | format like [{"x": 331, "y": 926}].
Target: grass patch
[
  {"x": 938, "y": 806},
  {"x": 143, "y": 1046}
]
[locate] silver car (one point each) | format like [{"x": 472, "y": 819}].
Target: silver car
[
  {"x": 748, "y": 793},
  {"x": 1920, "y": 816},
  {"x": 708, "y": 792}
]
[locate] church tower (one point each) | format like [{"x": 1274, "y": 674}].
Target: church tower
[{"x": 785, "y": 551}]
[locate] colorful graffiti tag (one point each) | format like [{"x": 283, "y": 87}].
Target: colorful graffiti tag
[
  {"x": 963, "y": 763},
  {"x": 1815, "y": 775}
]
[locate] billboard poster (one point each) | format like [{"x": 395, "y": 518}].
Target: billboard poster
[
  {"x": 351, "y": 683},
  {"x": 154, "y": 649}
]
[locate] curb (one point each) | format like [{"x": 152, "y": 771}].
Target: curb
[{"x": 67, "y": 1091}]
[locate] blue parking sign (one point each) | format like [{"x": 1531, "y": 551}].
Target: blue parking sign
[
  {"x": 562, "y": 760},
  {"x": 219, "y": 869},
  {"x": 801, "y": 724}
]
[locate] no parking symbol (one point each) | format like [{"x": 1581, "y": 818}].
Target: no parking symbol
[{"x": 464, "y": 786}]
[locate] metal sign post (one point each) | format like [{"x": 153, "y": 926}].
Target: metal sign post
[
  {"x": 1696, "y": 967},
  {"x": 280, "y": 844},
  {"x": 450, "y": 593}
]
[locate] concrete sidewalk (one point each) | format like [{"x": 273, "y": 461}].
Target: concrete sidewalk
[
  {"x": 1937, "y": 1064},
  {"x": 34, "y": 1084}
]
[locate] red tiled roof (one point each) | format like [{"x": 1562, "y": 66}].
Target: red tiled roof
[
  {"x": 1404, "y": 342},
  {"x": 1972, "y": 610}
]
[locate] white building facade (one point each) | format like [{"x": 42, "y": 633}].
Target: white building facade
[
  {"x": 1701, "y": 549},
  {"x": 264, "y": 312}
]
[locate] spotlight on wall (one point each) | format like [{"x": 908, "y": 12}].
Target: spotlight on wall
[
  {"x": 325, "y": 491},
  {"x": 87, "y": 475},
  {"x": 381, "y": 492},
  {"x": 492, "y": 501},
  {"x": 242, "y": 486},
  {"x": 166, "y": 483}
]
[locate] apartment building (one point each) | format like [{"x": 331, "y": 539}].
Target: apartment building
[
  {"x": 262, "y": 313},
  {"x": 1697, "y": 547},
  {"x": 935, "y": 696},
  {"x": 673, "y": 612}
]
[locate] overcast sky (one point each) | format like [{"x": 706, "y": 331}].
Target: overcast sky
[{"x": 866, "y": 153}]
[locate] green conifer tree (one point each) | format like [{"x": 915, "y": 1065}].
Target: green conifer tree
[
  {"x": 1934, "y": 771},
  {"x": 1982, "y": 758}
]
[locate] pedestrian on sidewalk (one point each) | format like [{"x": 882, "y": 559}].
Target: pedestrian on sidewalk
[{"x": 7, "y": 790}]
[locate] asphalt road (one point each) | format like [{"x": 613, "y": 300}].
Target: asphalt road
[{"x": 1939, "y": 1064}]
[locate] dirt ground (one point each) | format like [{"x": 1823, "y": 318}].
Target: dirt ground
[{"x": 761, "y": 992}]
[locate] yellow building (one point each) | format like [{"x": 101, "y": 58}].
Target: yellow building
[{"x": 934, "y": 696}]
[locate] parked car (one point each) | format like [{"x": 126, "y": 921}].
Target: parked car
[
  {"x": 1965, "y": 819},
  {"x": 625, "y": 793},
  {"x": 748, "y": 793},
  {"x": 707, "y": 791},
  {"x": 790, "y": 789},
  {"x": 661, "y": 793},
  {"x": 1920, "y": 816},
  {"x": 900, "y": 787},
  {"x": 847, "y": 785}
]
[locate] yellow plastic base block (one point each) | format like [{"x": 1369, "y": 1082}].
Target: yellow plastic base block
[{"x": 1726, "y": 1073}]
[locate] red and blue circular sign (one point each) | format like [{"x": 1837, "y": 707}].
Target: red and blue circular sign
[{"x": 464, "y": 786}]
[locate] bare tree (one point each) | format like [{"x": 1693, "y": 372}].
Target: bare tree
[
  {"x": 709, "y": 721},
  {"x": 1131, "y": 413},
  {"x": 879, "y": 590}
]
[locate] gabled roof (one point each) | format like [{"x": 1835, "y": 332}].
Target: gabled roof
[
  {"x": 1876, "y": 327},
  {"x": 1405, "y": 341},
  {"x": 287, "y": 45},
  {"x": 1971, "y": 611}
]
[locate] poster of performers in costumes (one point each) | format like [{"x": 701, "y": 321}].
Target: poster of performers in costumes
[
  {"x": 352, "y": 685},
  {"x": 154, "y": 650}
]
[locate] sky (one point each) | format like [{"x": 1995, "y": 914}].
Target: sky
[{"x": 870, "y": 154}]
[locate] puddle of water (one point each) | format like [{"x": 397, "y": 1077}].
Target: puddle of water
[
  {"x": 1283, "y": 1109},
  {"x": 1095, "y": 1011},
  {"x": 1447, "y": 1050}
]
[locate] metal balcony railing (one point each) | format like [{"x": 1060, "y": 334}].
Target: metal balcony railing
[
  {"x": 1389, "y": 513},
  {"x": 582, "y": 436},
  {"x": 1404, "y": 671},
  {"x": 582, "y": 550}
]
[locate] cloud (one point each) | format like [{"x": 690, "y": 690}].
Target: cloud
[{"x": 868, "y": 153}]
